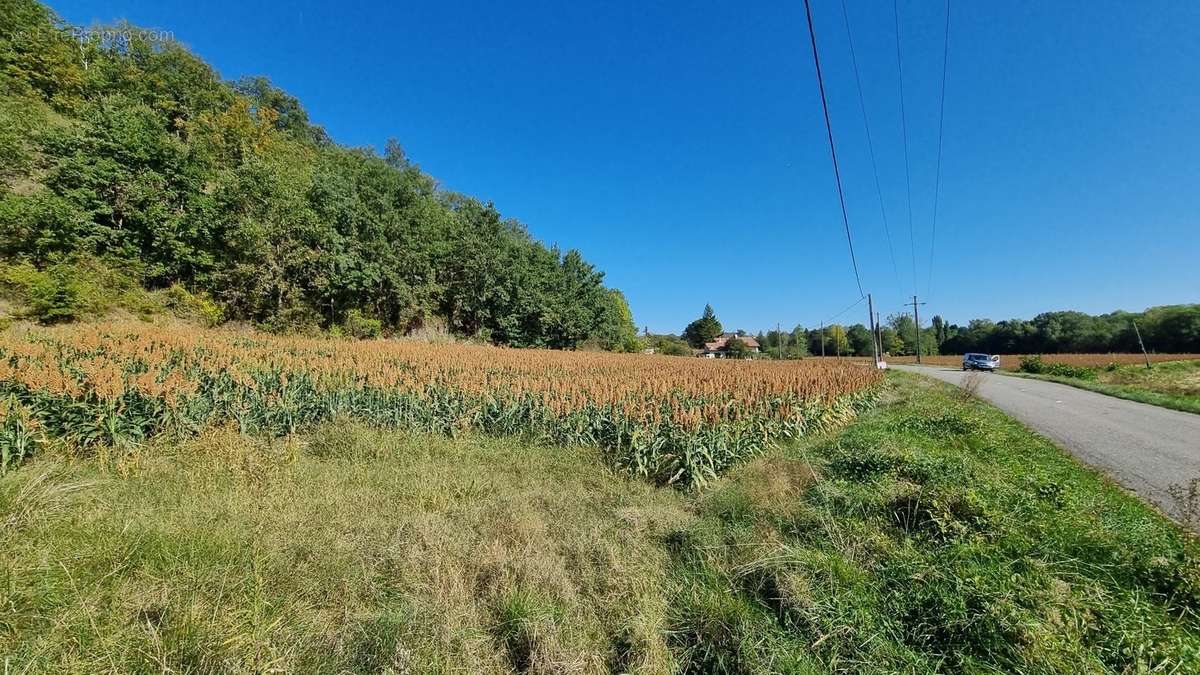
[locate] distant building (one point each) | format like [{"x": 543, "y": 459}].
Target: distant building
[{"x": 717, "y": 349}]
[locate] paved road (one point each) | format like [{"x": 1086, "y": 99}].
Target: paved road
[{"x": 1143, "y": 447}]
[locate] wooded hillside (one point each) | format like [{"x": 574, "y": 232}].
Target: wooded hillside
[{"x": 126, "y": 161}]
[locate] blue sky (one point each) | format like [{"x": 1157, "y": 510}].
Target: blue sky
[{"x": 680, "y": 145}]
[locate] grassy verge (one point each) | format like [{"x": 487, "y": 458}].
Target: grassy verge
[
  {"x": 348, "y": 551},
  {"x": 1172, "y": 384},
  {"x": 932, "y": 534}
]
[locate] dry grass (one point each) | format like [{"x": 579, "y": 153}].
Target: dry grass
[
  {"x": 971, "y": 383},
  {"x": 775, "y": 484},
  {"x": 351, "y": 549}
]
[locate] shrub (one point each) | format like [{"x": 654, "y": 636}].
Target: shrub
[
  {"x": 1032, "y": 364},
  {"x": 195, "y": 306},
  {"x": 362, "y": 327},
  {"x": 295, "y": 319},
  {"x": 52, "y": 295},
  {"x": 1035, "y": 364},
  {"x": 71, "y": 288}
]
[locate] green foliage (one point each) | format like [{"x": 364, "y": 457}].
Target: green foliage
[
  {"x": 903, "y": 338},
  {"x": 941, "y": 537},
  {"x": 362, "y": 327},
  {"x": 198, "y": 307},
  {"x": 71, "y": 288},
  {"x": 38, "y": 57},
  {"x": 1170, "y": 384},
  {"x": 229, "y": 189},
  {"x": 705, "y": 329},
  {"x": 1167, "y": 329},
  {"x": 836, "y": 341},
  {"x": 1035, "y": 364},
  {"x": 859, "y": 337},
  {"x": 616, "y": 331},
  {"x": 737, "y": 348},
  {"x": 667, "y": 345},
  {"x": 19, "y": 119},
  {"x": 19, "y": 435},
  {"x": 53, "y": 295}
]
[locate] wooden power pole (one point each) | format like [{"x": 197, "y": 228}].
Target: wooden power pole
[
  {"x": 917, "y": 320},
  {"x": 874, "y": 335},
  {"x": 879, "y": 332}
]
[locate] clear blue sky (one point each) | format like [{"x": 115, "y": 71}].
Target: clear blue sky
[{"x": 680, "y": 145}]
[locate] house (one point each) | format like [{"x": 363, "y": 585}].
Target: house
[{"x": 717, "y": 350}]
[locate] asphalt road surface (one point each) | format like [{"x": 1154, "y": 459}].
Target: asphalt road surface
[{"x": 1143, "y": 447}]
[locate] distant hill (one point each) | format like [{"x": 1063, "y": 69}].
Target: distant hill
[{"x": 126, "y": 162}]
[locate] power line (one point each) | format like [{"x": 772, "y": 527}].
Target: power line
[
  {"x": 837, "y": 174},
  {"x": 937, "y": 181},
  {"x": 912, "y": 242},
  {"x": 856, "y": 303},
  {"x": 862, "y": 103}
]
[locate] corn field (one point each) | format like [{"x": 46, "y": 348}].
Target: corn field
[{"x": 667, "y": 419}]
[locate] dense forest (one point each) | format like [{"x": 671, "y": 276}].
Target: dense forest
[{"x": 127, "y": 164}]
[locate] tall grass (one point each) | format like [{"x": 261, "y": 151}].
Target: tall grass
[
  {"x": 935, "y": 535},
  {"x": 346, "y": 550}
]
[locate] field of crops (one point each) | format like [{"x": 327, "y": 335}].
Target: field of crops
[
  {"x": 670, "y": 420},
  {"x": 1013, "y": 361}
]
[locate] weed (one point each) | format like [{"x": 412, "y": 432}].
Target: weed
[{"x": 971, "y": 383}]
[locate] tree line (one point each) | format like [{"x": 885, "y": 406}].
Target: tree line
[
  {"x": 1166, "y": 329},
  {"x": 123, "y": 153}
]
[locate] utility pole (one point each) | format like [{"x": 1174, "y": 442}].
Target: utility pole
[
  {"x": 874, "y": 335},
  {"x": 917, "y": 320},
  {"x": 879, "y": 332},
  {"x": 822, "y": 340},
  {"x": 1142, "y": 345}
]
